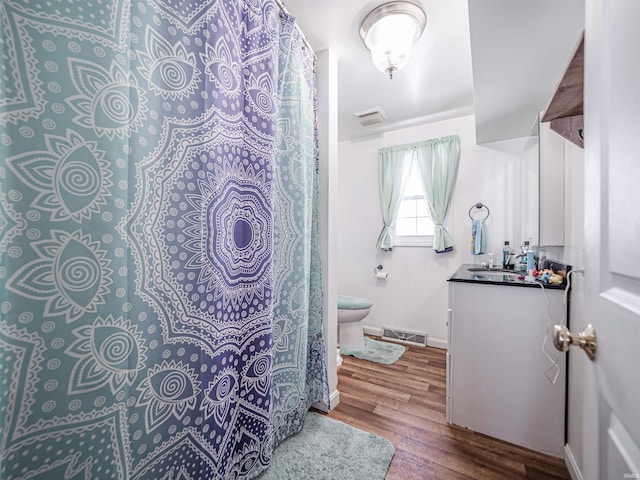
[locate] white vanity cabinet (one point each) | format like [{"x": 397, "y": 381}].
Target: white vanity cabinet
[{"x": 496, "y": 381}]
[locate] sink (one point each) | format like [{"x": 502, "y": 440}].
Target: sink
[
  {"x": 496, "y": 271},
  {"x": 485, "y": 269}
]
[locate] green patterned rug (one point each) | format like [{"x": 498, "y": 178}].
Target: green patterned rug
[
  {"x": 327, "y": 449},
  {"x": 375, "y": 351}
]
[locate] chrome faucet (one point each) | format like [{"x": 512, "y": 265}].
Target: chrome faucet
[{"x": 523, "y": 262}]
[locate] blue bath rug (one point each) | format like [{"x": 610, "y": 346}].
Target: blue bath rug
[
  {"x": 375, "y": 351},
  {"x": 327, "y": 449}
]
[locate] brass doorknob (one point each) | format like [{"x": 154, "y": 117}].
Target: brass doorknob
[{"x": 563, "y": 339}]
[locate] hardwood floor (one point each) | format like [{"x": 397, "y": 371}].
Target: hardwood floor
[{"x": 405, "y": 403}]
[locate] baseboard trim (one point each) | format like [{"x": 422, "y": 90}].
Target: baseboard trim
[
  {"x": 431, "y": 342},
  {"x": 437, "y": 343},
  {"x": 375, "y": 331},
  {"x": 572, "y": 465},
  {"x": 334, "y": 400}
]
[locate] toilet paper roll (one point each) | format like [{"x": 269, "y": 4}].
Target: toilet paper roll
[{"x": 382, "y": 275}]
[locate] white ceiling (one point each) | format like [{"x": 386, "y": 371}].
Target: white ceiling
[{"x": 519, "y": 50}]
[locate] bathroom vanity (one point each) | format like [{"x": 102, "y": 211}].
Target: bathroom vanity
[{"x": 496, "y": 382}]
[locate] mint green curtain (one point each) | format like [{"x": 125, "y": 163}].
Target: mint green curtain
[
  {"x": 438, "y": 161},
  {"x": 393, "y": 172},
  {"x": 298, "y": 369}
]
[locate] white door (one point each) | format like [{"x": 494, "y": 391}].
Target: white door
[{"x": 612, "y": 222}]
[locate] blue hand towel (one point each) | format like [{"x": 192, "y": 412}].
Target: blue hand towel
[{"x": 478, "y": 236}]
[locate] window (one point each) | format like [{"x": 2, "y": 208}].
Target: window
[
  {"x": 395, "y": 165},
  {"x": 413, "y": 226}
]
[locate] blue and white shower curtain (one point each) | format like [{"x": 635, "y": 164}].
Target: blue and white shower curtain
[{"x": 160, "y": 291}]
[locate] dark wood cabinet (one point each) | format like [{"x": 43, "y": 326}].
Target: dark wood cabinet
[{"x": 566, "y": 107}]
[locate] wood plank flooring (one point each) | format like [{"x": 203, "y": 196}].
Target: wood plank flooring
[{"x": 405, "y": 403}]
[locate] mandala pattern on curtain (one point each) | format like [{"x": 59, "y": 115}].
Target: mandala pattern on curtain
[
  {"x": 299, "y": 372},
  {"x": 161, "y": 292}
]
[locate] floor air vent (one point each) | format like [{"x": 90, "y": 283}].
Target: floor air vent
[{"x": 414, "y": 338}]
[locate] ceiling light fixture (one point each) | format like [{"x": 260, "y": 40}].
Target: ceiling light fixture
[{"x": 389, "y": 31}]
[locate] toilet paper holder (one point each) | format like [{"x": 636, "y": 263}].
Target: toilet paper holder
[{"x": 380, "y": 273}]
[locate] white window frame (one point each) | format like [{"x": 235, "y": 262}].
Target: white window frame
[{"x": 412, "y": 240}]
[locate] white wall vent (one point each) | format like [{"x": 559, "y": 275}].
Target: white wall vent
[
  {"x": 371, "y": 116},
  {"x": 414, "y": 338}
]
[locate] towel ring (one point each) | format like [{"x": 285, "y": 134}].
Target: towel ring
[{"x": 479, "y": 206}]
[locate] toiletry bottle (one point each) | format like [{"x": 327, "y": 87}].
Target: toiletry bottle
[
  {"x": 523, "y": 256},
  {"x": 542, "y": 259},
  {"x": 506, "y": 255},
  {"x": 531, "y": 265}
]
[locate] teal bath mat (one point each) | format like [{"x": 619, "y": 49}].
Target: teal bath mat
[
  {"x": 327, "y": 449},
  {"x": 375, "y": 351}
]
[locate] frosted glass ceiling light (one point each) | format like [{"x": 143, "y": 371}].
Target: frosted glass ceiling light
[{"x": 389, "y": 31}]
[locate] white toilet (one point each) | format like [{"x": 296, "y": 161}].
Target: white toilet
[{"x": 351, "y": 311}]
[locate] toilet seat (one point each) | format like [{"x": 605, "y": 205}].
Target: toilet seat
[{"x": 353, "y": 303}]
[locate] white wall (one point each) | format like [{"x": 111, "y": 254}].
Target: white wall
[
  {"x": 327, "y": 93},
  {"x": 415, "y": 295}
]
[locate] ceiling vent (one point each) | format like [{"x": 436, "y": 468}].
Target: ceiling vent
[{"x": 371, "y": 116}]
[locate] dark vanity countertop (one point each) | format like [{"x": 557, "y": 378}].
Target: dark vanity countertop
[{"x": 493, "y": 277}]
